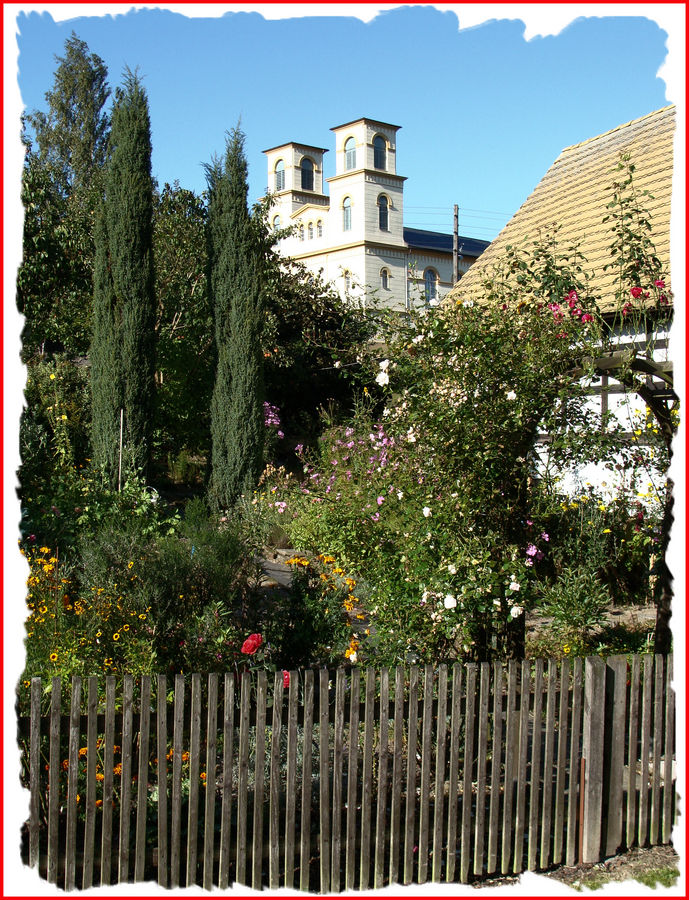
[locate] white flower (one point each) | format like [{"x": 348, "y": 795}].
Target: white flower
[
  {"x": 432, "y": 302},
  {"x": 400, "y": 494},
  {"x": 352, "y": 657},
  {"x": 449, "y": 602},
  {"x": 411, "y": 437},
  {"x": 452, "y": 569},
  {"x": 468, "y": 303},
  {"x": 511, "y": 395},
  {"x": 514, "y": 585},
  {"x": 427, "y": 511},
  {"x": 496, "y": 602},
  {"x": 516, "y": 611},
  {"x": 417, "y": 339},
  {"x": 384, "y": 365},
  {"x": 382, "y": 378},
  {"x": 338, "y": 364}
]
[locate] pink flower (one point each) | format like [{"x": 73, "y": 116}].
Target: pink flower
[
  {"x": 251, "y": 644},
  {"x": 636, "y": 292},
  {"x": 659, "y": 283},
  {"x": 626, "y": 309},
  {"x": 380, "y": 501},
  {"x": 587, "y": 317}
]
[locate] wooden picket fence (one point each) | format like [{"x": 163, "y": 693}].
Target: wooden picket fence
[{"x": 351, "y": 779}]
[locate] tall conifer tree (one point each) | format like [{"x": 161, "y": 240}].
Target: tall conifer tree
[
  {"x": 234, "y": 280},
  {"x": 123, "y": 351}
]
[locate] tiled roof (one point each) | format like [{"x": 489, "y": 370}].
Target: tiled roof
[
  {"x": 420, "y": 239},
  {"x": 574, "y": 193}
]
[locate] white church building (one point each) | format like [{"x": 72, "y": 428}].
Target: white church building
[{"x": 354, "y": 235}]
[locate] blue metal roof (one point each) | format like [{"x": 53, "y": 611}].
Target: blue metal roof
[{"x": 420, "y": 239}]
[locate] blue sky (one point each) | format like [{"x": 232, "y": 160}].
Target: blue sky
[{"x": 483, "y": 111}]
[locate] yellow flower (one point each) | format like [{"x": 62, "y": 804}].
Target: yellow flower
[
  {"x": 125, "y": 627},
  {"x": 99, "y": 634},
  {"x": 53, "y": 657},
  {"x": 606, "y": 531},
  {"x": 107, "y": 661},
  {"x": 130, "y": 564},
  {"x": 52, "y": 376},
  {"x": 142, "y": 616},
  {"x": 566, "y": 649},
  {"x": 116, "y": 636}
]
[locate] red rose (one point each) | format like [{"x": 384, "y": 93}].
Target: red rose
[
  {"x": 636, "y": 292},
  {"x": 251, "y": 644},
  {"x": 285, "y": 678}
]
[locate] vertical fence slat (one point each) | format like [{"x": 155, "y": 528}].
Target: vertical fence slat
[
  {"x": 338, "y": 745},
  {"x": 291, "y": 799},
  {"x": 594, "y": 724},
  {"x": 274, "y": 818},
  {"x": 227, "y": 782},
  {"x": 194, "y": 777},
  {"x": 367, "y": 781},
  {"x": 616, "y": 714},
  {"x": 657, "y": 748},
  {"x": 211, "y": 751},
  {"x": 176, "y": 800},
  {"x": 126, "y": 777},
  {"x": 439, "y": 789},
  {"x": 379, "y": 865},
  {"x": 90, "y": 822},
  {"x": 410, "y": 802},
  {"x": 305, "y": 842},
  {"x": 511, "y": 737},
  {"x": 161, "y": 768},
  {"x": 324, "y": 778},
  {"x": 632, "y": 751},
  {"x": 142, "y": 786},
  {"x": 467, "y": 764},
  {"x": 669, "y": 749},
  {"x": 352, "y": 779},
  {"x": 259, "y": 779},
  {"x": 453, "y": 787},
  {"x": 646, "y": 702},
  {"x": 481, "y": 753},
  {"x": 495, "y": 771},
  {"x": 108, "y": 776},
  {"x": 426, "y": 754},
  {"x": 547, "y": 806},
  {"x": 243, "y": 778},
  {"x": 54, "y": 779},
  {"x": 35, "y": 773},
  {"x": 72, "y": 785},
  {"x": 519, "y": 819},
  {"x": 558, "y": 829},
  {"x": 574, "y": 765},
  {"x": 396, "y": 782},
  {"x": 534, "y": 810}
]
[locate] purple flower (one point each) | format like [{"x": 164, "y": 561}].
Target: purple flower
[{"x": 546, "y": 537}]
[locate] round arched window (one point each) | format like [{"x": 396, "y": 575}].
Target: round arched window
[
  {"x": 379, "y": 152},
  {"x": 279, "y": 175},
  {"x": 306, "y": 175},
  {"x": 350, "y": 153},
  {"x": 347, "y": 214},
  {"x": 383, "y": 212},
  {"x": 384, "y": 279},
  {"x": 430, "y": 279}
]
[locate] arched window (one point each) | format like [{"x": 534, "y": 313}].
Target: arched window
[
  {"x": 279, "y": 175},
  {"x": 301, "y": 232},
  {"x": 350, "y": 153},
  {"x": 319, "y": 228},
  {"x": 383, "y": 212},
  {"x": 384, "y": 279},
  {"x": 306, "y": 174},
  {"x": 347, "y": 214},
  {"x": 430, "y": 279},
  {"x": 276, "y": 223},
  {"x": 379, "y": 152},
  {"x": 310, "y": 231}
]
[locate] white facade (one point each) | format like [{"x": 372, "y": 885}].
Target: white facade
[{"x": 354, "y": 235}]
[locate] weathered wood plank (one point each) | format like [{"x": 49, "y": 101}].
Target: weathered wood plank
[
  {"x": 243, "y": 778},
  {"x": 633, "y": 751},
  {"x": 338, "y": 762},
  {"x": 161, "y": 768},
  {"x": 142, "y": 777},
  {"x": 547, "y": 806},
  {"x": 646, "y": 714},
  {"x": 594, "y": 726},
  {"x": 274, "y": 814},
  {"x": 616, "y": 714},
  {"x": 54, "y": 779},
  {"x": 657, "y": 748},
  {"x": 511, "y": 743},
  {"x": 468, "y": 773},
  {"x": 426, "y": 754},
  {"x": 396, "y": 784},
  {"x": 227, "y": 783},
  {"x": 306, "y": 784},
  {"x": 324, "y": 778},
  {"x": 410, "y": 802},
  {"x": 495, "y": 771},
  {"x": 481, "y": 754},
  {"x": 574, "y": 764},
  {"x": 352, "y": 779},
  {"x": 176, "y": 799},
  {"x": 668, "y": 752},
  {"x": 72, "y": 785},
  {"x": 259, "y": 780},
  {"x": 291, "y": 799},
  {"x": 439, "y": 786},
  {"x": 194, "y": 778},
  {"x": 378, "y": 875},
  {"x": 126, "y": 777},
  {"x": 534, "y": 792},
  {"x": 561, "y": 764},
  {"x": 108, "y": 779},
  {"x": 35, "y": 773},
  {"x": 520, "y": 812},
  {"x": 453, "y": 786},
  {"x": 367, "y": 781},
  {"x": 209, "y": 810},
  {"x": 91, "y": 759}
]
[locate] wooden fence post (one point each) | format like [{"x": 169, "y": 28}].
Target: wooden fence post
[
  {"x": 592, "y": 754},
  {"x": 613, "y": 756}
]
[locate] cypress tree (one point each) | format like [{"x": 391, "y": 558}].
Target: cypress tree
[
  {"x": 234, "y": 281},
  {"x": 123, "y": 350}
]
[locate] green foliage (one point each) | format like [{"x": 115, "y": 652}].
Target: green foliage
[
  {"x": 122, "y": 350},
  {"x": 577, "y": 603},
  {"x": 235, "y": 261}
]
